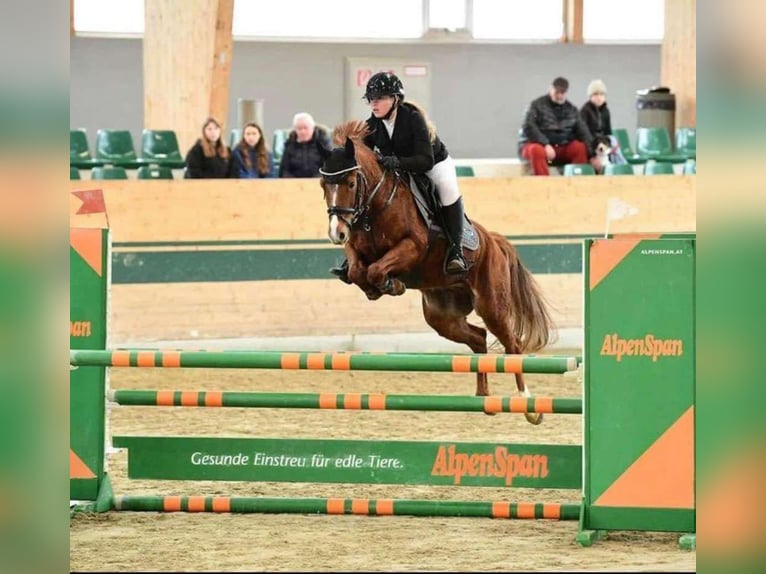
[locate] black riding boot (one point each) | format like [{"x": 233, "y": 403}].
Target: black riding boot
[
  {"x": 341, "y": 272},
  {"x": 454, "y": 217}
]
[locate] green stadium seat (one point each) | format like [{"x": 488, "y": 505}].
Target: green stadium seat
[
  {"x": 160, "y": 147},
  {"x": 235, "y": 137},
  {"x": 654, "y": 143},
  {"x": 690, "y": 167},
  {"x": 278, "y": 144},
  {"x": 74, "y": 173},
  {"x": 619, "y": 169},
  {"x": 464, "y": 171},
  {"x": 154, "y": 172},
  {"x": 579, "y": 169},
  {"x": 116, "y": 147},
  {"x": 623, "y": 138},
  {"x": 79, "y": 151},
  {"x": 686, "y": 142},
  {"x": 78, "y": 146},
  {"x": 109, "y": 172},
  {"x": 659, "y": 168}
]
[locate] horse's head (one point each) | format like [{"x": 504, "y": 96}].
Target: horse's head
[
  {"x": 351, "y": 178},
  {"x": 341, "y": 180}
]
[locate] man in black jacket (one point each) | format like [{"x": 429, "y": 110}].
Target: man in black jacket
[
  {"x": 554, "y": 131},
  {"x": 302, "y": 156}
]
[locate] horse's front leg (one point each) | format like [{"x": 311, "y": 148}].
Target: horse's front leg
[
  {"x": 357, "y": 273},
  {"x": 401, "y": 257}
]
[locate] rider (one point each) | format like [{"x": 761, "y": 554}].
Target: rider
[{"x": 407, "y": 141}]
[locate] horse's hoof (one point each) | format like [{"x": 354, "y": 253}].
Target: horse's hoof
[
  {"x": 483, "y": 394},
  {"x": 534, "y": 418},
  {"x": 342, "y": 273},
  {"x": 392, "y": 287},
  {"x": 373, "y": 295},
  {"x": 397, "y": 287}
]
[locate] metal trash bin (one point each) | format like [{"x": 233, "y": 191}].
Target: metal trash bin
[
  {"x": 656, "y": 108},
  {"x": 249, "y": 111}
]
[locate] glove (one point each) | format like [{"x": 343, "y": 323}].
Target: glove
[{"x": 389, "y": 162}]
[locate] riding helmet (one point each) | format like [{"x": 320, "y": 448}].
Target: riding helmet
[{"x": 383, "y": 84}]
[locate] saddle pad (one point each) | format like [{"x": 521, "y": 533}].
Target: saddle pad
[{"x": 470, "y": 237}]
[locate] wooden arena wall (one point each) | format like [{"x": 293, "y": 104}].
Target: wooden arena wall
[{"x": 209, "y": 259}]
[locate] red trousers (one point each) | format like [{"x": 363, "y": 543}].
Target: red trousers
[{"x": 573, "y": 152}]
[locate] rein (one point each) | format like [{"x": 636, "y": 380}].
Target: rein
[{"x": 361, "y": 207}]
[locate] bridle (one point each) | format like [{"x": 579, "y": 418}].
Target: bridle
[{"x": 362, "y": 205}]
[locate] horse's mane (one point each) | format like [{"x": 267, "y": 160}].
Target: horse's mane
[{"x": 356, "y": 131}]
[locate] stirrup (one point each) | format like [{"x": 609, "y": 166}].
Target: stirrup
[{"x": 455, "y": 265}]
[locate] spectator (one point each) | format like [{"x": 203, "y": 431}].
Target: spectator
[
  {"x": 209, "y": 157},
  {"x": 252, "y": 157},
  {"x": 301, "y": 156},
  {"x": 553, "y": 131},
  {"x": 595, "y": 114}
]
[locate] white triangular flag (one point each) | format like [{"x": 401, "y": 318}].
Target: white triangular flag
[{"x": 618, "y": 209}]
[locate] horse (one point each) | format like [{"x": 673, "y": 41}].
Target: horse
[{"x": 373, "y": 215}]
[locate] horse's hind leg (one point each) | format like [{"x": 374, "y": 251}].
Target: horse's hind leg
[
  {"x": 446, "y": 311},
  {"x": 494, "y": 310}
]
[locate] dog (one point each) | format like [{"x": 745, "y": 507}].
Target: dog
[{"x": 602, "y": 148}]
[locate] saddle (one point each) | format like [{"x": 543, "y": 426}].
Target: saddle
[{"x": 429, "y": 207}]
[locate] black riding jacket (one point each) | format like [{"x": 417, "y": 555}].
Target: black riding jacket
[{"x": 410, "y": 142}]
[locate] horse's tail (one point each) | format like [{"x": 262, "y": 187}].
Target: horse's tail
[{"x": 531, "y": 321}]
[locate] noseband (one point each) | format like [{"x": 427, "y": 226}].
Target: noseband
[{"x": 361, "y": 205}]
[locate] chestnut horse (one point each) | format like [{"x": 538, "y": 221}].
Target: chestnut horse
[{"x": 373, "y": 215}]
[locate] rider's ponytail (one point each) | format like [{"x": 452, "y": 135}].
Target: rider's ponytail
[{"x": 429, "y": 123}]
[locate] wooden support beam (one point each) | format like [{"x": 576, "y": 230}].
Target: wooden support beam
[
  {"x": 187, "y": 61},
  {"x": 679, "y": 58},
  {"x": 573, "y": 21},
  {"x": 221, "y": 65}
]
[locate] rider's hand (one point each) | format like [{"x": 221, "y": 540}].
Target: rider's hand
[
  {"x": 550, "y": 152},
  {"x": 389, "y": 162}
]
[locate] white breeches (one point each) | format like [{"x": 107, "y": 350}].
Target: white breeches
[{"x": 444, "y": 176}]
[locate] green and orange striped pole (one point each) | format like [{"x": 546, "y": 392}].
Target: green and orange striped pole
[
  {"x": 358, "y": 506},
  {"x": 476, "y": 363},
  {"x": 347, "y": 401}
]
